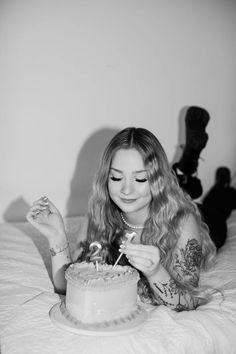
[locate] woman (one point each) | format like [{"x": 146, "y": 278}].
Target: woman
[{"x": 135, "y": 191}]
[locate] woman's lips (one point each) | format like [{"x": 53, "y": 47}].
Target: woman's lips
[{"x": 128, "y": 201}]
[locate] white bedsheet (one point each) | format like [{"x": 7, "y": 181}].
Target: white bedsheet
[{"x": 27, "y": 295}]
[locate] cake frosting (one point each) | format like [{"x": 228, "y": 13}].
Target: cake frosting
[{"x": 100, "y": 298}]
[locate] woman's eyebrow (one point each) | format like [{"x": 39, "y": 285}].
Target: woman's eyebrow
[{"x": 115, "y": 169}]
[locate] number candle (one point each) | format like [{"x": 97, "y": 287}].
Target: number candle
[
  {"x": 95, "y": 255},
  {"x": 129, "y": 237}
]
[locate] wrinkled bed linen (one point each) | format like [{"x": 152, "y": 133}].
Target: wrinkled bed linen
[{"x": 27, "y": 295}]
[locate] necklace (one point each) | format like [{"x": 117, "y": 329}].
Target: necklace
[{"x": 129, "y": 225}]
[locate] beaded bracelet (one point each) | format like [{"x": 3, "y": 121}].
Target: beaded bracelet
[{"x": 62, "y": 249}]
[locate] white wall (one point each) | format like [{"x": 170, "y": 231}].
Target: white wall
[{"x": 73, "y": 72}]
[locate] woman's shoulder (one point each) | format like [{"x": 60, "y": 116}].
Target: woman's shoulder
[{"x": 190, "y": 229}]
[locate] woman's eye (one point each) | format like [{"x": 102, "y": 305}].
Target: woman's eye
[
  {"x": 115, "y": 178},
  {"x": 141, "y": 180}
]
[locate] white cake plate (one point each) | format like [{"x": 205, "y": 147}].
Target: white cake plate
[{"x": 62, "y": 322}]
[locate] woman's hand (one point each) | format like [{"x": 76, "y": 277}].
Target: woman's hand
[
  {"x": 45, "y": 217},
  {"x": 143, "y": 257}
]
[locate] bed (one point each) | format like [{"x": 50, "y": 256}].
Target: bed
[{"x": 27, "y": 295}]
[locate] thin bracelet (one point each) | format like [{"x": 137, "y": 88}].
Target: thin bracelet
[{"x": 62, "y": 249}]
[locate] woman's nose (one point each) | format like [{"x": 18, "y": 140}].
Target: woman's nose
[{"x": 127, "y": 187}]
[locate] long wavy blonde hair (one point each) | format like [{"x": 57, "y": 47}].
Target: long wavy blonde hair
[{"x": 169, "y": 207}]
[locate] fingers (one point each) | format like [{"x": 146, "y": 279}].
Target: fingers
[
  {"x": 142, "y": 262},
  {"x": 143, "y": 257},
  {"x": 146, "y": 266},
  {"x": 52, "y": 207},
  {"x": 40, "y": 208},
  {"x": 144, "y": 251},
  {"x": 37, "y": 216}
]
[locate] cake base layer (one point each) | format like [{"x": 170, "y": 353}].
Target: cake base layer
[
  {"x": 61, "y": 318},
  {"x": 98, "y": 297}
]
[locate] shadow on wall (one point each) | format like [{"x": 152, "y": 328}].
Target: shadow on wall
[
  {"x": 86, "y": 166},
  {"x": 181, "y": 135},
  {"x": 16, "y": 211}
]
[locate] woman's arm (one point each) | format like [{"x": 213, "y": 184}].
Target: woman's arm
[
  {"x": 61, "y": 258},
  {"x": 170, "y": 290},
  {"x": 185, "y": 270},
  {"x": 45, "y": 217},
  {"x": 170, "y": 293}
]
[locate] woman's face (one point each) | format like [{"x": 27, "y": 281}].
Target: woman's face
[{"x": 128, "y": 185}]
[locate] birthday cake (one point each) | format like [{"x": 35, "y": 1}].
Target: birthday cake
[{"x": 102, "y": 298}]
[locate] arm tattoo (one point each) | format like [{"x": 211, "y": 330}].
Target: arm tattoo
[
  {"x": 169, "y": 290},
  {"x": 186, "y": 269},
  {"x": 188, "y": 261}
]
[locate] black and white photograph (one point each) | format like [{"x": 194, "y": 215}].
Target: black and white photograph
[{"x": 118, "y": 177}]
